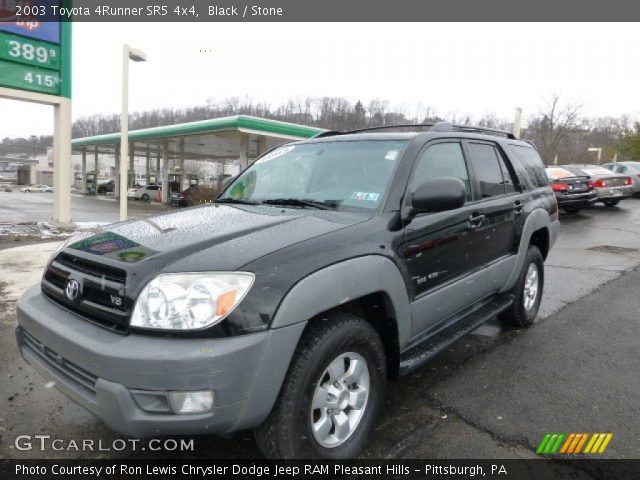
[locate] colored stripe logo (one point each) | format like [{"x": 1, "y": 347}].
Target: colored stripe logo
[{"x": 573, "y": 443}]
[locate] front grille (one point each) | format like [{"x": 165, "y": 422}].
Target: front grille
[
  {"x": 79, "y": 377},
  {"x": 93, "y": 269},
  {"x": 102, "y": 289}
]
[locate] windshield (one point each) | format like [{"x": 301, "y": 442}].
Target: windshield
[{"x": 341, "y": 175}]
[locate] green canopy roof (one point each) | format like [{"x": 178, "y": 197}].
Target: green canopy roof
[{"x": 243, "y": 123}]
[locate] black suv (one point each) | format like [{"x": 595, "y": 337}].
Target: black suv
[{"x": 326, "y": 268}]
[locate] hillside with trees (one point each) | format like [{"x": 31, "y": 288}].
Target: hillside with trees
[{"x": 559, "y": 130}]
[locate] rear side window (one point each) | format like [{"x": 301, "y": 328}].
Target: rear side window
[
  {"x": 488, "y": 169},
  {"x": 531, "y": 163}
]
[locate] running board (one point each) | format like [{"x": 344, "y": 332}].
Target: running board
[{"x": 421, "y": 353}]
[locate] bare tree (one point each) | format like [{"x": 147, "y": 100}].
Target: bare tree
[{"x": 553, "y": 126}]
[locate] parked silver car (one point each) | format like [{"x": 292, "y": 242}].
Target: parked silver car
[
  {"x": 611, "y": 187},
  {"x": 632, "y": 169},
  {"x": 37, "y": 188}
]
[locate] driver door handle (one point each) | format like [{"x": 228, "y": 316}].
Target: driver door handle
[{"x": 476, "y": 221}]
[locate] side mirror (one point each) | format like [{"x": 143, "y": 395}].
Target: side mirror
[{"x": 438, "y": 195}]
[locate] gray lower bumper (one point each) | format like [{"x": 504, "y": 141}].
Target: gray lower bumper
[{"x": 98, "y": 368}]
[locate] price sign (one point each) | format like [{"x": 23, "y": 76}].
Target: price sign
[
  {"x": 30, "y": 52},
  {"x": 35, "y": 47},
  {"x": 26, "y": 77}
]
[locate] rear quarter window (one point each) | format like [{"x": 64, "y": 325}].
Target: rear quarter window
[{"x": 530, "y": 165}]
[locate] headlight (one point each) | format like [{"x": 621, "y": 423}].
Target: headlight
[{"x": 189, "y": 301}]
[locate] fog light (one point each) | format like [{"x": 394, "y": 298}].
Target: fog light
[{"x": 191, "y": 402}]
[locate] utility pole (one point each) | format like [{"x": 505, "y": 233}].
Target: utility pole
[{"x": 517, "y": 121}]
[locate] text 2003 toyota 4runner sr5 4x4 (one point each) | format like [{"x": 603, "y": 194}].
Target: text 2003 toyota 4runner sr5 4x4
[{"x": 327, "y": 267}]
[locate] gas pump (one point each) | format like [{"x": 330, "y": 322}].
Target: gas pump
[
  {"x": 175, "y": 183},
  {"x": 193, "y": 180},
  {"x": 91, "y": 183}
]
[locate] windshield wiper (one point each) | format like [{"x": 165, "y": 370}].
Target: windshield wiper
[
  {"x": 235, "y": 200},
  {"x": 297, "y": 202}
]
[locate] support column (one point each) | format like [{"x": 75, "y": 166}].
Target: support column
[
  {"x": 158, "y": 169},
  {"x": 131, "y": 178},
  {"x": 116, "y": 191},
  {"x": 244, "y": 151},
  {"x": 165, "y": 172},
  {"x": 96, "y": 171},
  {"x": 83, "y": 189},
  {"x": 181, "y": 165},
  {"x": 62, "y": 162},
  {"x": 147, "y": 167},
  {"x": 262, "y": 145}
]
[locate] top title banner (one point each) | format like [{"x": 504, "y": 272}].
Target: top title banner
[{"x": 21, "y": 12}]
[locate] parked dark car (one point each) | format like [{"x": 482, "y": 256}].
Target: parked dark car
[
  {"x": 326, "y": 268},
  {"x": 573, "y": 192},
  {"x": 194, "y": 195},
  {"x": 106, "y": 187},
  {"x": 611, "y": 187}
]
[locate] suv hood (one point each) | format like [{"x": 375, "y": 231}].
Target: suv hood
[{"x": 211, "y": 237}]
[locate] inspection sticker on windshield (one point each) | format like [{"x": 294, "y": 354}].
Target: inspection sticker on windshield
[
  {"x": 391, "y": 155},
  {"x": 367, "y": 197},
  {"x": 275, "y": 154}
]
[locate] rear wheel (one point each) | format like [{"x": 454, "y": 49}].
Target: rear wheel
[
  {"x": 145, "y": 197},
  {"x": 331, "y": 395},
  {"x": 611, "y": 203},
  {"x": 527, "y": 291}
]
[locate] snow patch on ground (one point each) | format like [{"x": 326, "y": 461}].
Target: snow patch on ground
[{"x": 21, "y": 267}]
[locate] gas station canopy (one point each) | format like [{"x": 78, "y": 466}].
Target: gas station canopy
[
  {"x": 236, "y": 139},
  {"x": 216, "y": 139}
]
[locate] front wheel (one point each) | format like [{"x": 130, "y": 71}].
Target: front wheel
[
  {"x": 331, "y": 395},
  {"x": 527, "y": 291},
  {"x": 611, "y": 203}
]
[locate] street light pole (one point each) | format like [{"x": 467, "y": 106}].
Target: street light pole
[
  {"x": 598, "y": 150},
  {"x": 137, "y": 56}
]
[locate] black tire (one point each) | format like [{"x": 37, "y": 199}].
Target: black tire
[
  {"x": 145, "y": 197},
  {"x": 611, "y": 203},
  {"x": 287, "y": 431},
  {"x": 572, "y": 209},
  {"x": 517, "y": 314}
]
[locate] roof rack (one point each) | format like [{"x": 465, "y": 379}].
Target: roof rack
[{"x": 433, "y": 127}]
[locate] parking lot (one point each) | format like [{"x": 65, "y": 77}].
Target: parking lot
[
  {"x": 494, "y": 394},
  {"x": 18, "y": 207}
]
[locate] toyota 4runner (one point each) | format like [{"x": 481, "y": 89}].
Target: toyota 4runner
[{"x": 326, "y": 268}]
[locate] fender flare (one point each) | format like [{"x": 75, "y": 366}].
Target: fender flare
[
  {"x": 537, "y": 219},
  {"x": 345, "y": 281}
]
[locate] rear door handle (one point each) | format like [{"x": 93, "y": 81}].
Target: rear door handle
[
  {"x": 476, "y": 221},
  {"x": 518, "y": 208}
]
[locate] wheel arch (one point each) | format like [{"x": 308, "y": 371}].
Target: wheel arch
[
  {"x": 370, "y": 287},
  {"x": 537, "y": 231}
]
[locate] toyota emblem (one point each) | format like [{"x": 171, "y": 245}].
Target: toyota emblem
[{"x": 71, "y": 290}]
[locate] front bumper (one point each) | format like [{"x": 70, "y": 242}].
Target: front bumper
[{"x": 98, "y": 369}]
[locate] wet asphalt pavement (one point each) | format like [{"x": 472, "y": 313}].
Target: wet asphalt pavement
[
  {"x": 18, "y": 207},
  {"x": 493, "y": 394}
]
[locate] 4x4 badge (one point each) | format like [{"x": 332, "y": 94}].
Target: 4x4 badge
[{"x": 71, "y": 290}]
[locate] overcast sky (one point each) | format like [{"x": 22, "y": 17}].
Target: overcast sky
[{"x": 454, "y": 68}]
